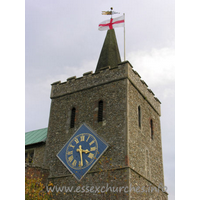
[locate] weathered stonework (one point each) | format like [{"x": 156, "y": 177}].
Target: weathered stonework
[
  {"x": 132, "y": 157},
  {"x": 39, "y": 150}
]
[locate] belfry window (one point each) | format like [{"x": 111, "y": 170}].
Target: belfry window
[
  {"x": 100, "y": 111},
  {"x": 151, "y": 127},
  {"x": 73, "y": 113},
  {"x": 139, "y": 117},
  {"x": 29, "y": 156}
]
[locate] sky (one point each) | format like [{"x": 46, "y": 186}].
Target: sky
[{"x": 62, "y": 40}]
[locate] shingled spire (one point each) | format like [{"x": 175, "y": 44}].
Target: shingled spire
[{"x": 110, "y": 52}]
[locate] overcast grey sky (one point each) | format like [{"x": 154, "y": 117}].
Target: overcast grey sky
[{"x": 62, "y": 40}]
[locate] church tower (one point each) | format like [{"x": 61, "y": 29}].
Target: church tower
[{"x": 104, "y": 135}]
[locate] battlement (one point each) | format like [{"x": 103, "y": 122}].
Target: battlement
[
  {"x": 142, "y": 87},
  {"x": 106, "y": 75}
]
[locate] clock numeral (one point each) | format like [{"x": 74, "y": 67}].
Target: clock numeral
[
  {"x": 71, "y": 158},
  {"x": 71, "y": 146},
  {"x": 70, "y": 152},
  {"x": 91, "y": 142},
  {"x": 76, "y": 140},
  {"x": 82, "y": 138},
  {"x": 91, "y": 155},
  {"x": 86, "y": 162},
  {"x": 88, "y": 138},
  {"x": 93, "y": 148},
  {"x": 74, "y": 163}
]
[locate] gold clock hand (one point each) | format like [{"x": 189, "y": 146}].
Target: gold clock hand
[
  {"x": 80, "y": 150},
  {"x": 86, "y": 151}
]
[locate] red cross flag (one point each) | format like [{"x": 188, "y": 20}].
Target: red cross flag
[{"x": 112, "y": 23}]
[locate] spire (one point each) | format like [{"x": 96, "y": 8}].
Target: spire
[{"x": 110, "y": 53}]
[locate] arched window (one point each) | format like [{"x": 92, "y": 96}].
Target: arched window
[
  {"x": 151, "y": 126},
  {"x": 73, "y": 113},
  {"x": 100, "y": 111},
  {"x": 139, "y": 117}
]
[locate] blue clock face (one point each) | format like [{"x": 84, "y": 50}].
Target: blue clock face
[{"x": 82, "y": 151}]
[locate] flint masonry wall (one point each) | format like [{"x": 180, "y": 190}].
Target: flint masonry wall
[
  {"x": 145, "y": 154},
  {"x": 117, "y": 87},
  {"x": 89, "y": 79},
  {"x": 143, "y": 189},
  {"x": 84, "y": 94}
]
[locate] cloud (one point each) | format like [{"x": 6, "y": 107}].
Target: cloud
[
  {"x": 78, "y": 71},
  {"x": 155, "y": 66}
]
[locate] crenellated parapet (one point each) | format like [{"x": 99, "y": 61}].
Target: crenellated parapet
[
  {"x": 106, "y": 75},
  {"x": 142, "y": 87},
  {"x": 88, "y": 80}
]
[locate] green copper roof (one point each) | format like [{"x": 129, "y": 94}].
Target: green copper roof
[
  {"x": 35, "y": 136},
  {"x": 110, "y": 53}
]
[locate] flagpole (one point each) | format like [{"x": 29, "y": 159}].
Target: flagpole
[{"x": 124, "y": 39}]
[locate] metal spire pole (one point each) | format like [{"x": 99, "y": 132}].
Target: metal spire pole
[
  {"x": 111, "y": 11},
  {"x": 124, "y": 40}
]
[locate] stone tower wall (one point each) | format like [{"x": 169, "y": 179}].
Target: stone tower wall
[
  {"x": 145, "y": 153},
  {"x": 84, "y": 94},
  {"x": 121, "y": 90}
]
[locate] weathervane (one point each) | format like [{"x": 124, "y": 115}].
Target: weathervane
[
  {"x": 111, "y": 12},
  {"x": 112, "y": 23}
]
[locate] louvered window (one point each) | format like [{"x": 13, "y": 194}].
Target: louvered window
[
  {"x": 151, "y": 126},
  {"x": 73, "y": 113},
  {"x": 100, "y": 111},
  {"x": 139, "y": 117}
]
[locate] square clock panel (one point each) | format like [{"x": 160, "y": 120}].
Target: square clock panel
[{"x": 82, "y": 151}]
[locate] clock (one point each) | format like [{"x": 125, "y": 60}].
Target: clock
[{"x": 82, "y": 151}]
